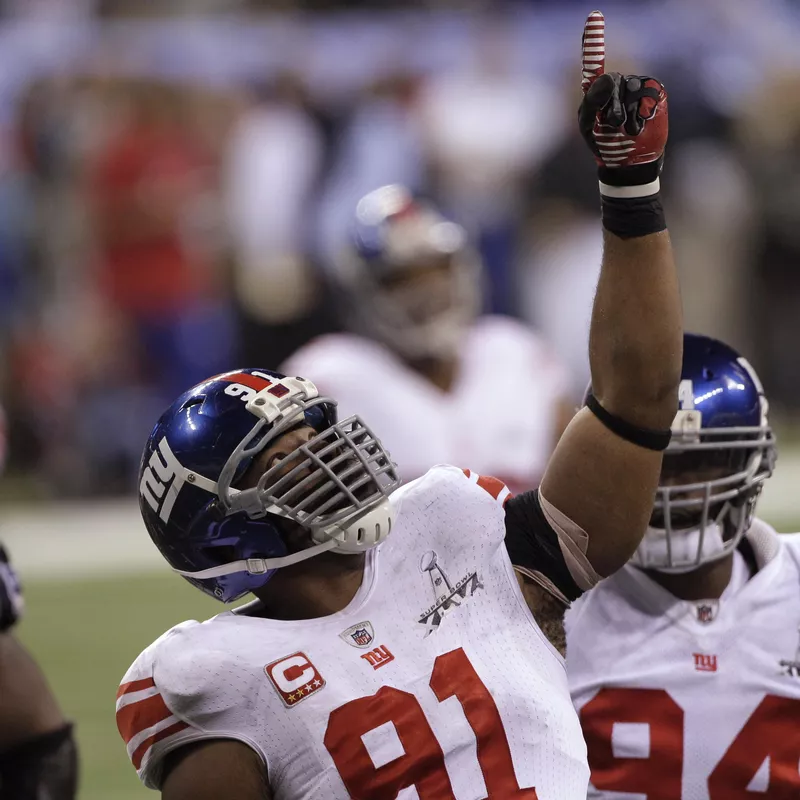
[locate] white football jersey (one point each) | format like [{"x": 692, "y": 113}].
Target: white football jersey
[
  {"x": 688, "y": 700},
  {"x": 434, "y": 683},
  {"x": 500, "y": 416}
]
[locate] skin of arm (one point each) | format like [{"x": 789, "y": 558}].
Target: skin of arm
[
  {"x": 602, "y": 482},
  {"x": 215, "y": 769},
  {"x": 28, "y": 708}
]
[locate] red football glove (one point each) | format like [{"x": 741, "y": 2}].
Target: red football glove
[{"x": 623, "y": 118}]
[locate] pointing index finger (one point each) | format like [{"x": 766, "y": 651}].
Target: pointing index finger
[{"x": 593, "y": 49}]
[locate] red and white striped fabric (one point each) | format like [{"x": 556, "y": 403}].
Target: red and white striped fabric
[
  {"x": 614, "y": 146},
  {"x": 143, "y": 718},
  {"x": 495, "y": 487},
  {"x": 593, "y": 49}
]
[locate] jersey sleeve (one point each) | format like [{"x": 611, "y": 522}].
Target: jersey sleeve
[
  {"x": 530, "y": 540},
  {"x": 168, "y": 698},
  {"x": 335, "y": 363}
]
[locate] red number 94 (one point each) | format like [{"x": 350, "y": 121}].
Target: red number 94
[{"x": 772, "y": 730}]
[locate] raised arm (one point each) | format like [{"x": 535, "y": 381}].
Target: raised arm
[{"x": 600, "y": 483}]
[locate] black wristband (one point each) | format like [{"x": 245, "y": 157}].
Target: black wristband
[
  {"x": 631, "y": 217},
  {"x": 631, "y": 176},
  {"x": 644, "y": 437}
]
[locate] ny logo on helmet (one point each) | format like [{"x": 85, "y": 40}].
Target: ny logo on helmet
[
  {"x": 688, "y": 419},
  {"x": 157, "y": 485}
]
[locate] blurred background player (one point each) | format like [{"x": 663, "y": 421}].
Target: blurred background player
[
  {"x": 38, "y": 758},
  {"x": 421, "y": 363},
  {"x": 685, "y": 665}
]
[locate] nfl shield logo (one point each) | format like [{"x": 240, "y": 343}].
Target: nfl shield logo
[
  {"x": 707, "y": 612},
  {"x": 359, "y": 635}
]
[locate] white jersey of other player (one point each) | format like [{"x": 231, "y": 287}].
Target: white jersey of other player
[
  {"x": 435, "y": 676},
  {"x": 501, "y": 361},
  {"x": 692, "y": 700}
]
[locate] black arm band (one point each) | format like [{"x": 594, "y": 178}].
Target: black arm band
[
  {"x": 632, "y": 217},
  {"x": 533, "y": 544},
  {"x": 644, "y": 437}
]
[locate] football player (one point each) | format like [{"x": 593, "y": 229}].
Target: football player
[
  {"x": 38, "y": 757},
  {"x": 685, "y": 665},
  {"x": 402, "y": 639},
  {"x": 420, "y": 363}
]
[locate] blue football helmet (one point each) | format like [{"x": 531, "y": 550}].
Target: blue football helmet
[
  {"x": 393, "y": 236},
  {"x": 228, "y": 541},
  {"x": 722, "y": 450}
]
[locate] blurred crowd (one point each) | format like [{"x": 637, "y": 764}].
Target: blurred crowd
[{"x": 156, "y": 229}]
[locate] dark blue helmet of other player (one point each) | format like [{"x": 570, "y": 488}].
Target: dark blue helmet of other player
[
  {"x": 722, "y": 450},
  {"x": 228, "y": 539}
]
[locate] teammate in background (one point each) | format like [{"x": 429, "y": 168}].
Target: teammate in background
[
  {"x": 381, "y": 610},
  {"x": 685, "y": 665},
  {"x": 38, "y": 757},
  {"x": 420, "y": 363}
]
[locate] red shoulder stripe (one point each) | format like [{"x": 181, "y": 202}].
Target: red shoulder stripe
[
  {"x": 140, "y": 752},
  {"x": 491, "y": 485},
  {"x": 134, "y": 718},
  {"x": 135, "y": 686}
]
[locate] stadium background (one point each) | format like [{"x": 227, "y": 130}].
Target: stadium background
[{"x": 175, "y": 177}]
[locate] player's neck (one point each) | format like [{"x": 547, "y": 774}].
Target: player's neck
[
  {"x": 706, "y": 583},
  {"x": 315, "y": 588},
  {"x": 441, "y": 372}
]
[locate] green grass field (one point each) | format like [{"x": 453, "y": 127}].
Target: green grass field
[{"x": 85, "y": 635}]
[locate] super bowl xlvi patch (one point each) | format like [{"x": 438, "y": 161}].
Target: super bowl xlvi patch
[
  {"x": 359, "y": 635},
  {"x": 446, "y": 596}
]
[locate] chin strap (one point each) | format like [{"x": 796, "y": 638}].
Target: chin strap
[{"x": 259, "y": 566}]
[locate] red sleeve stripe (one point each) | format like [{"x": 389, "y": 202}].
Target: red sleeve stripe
[
  {"x": 495, "y": 487},
  {"x": 134, "y": 718},
  {"x": 135, "y": 686},
  {"x": 491, "y": 485},
  {"x": 141, "y": 751}
]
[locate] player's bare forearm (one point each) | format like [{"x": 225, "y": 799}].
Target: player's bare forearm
[{"x": 636, "y": 335}]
